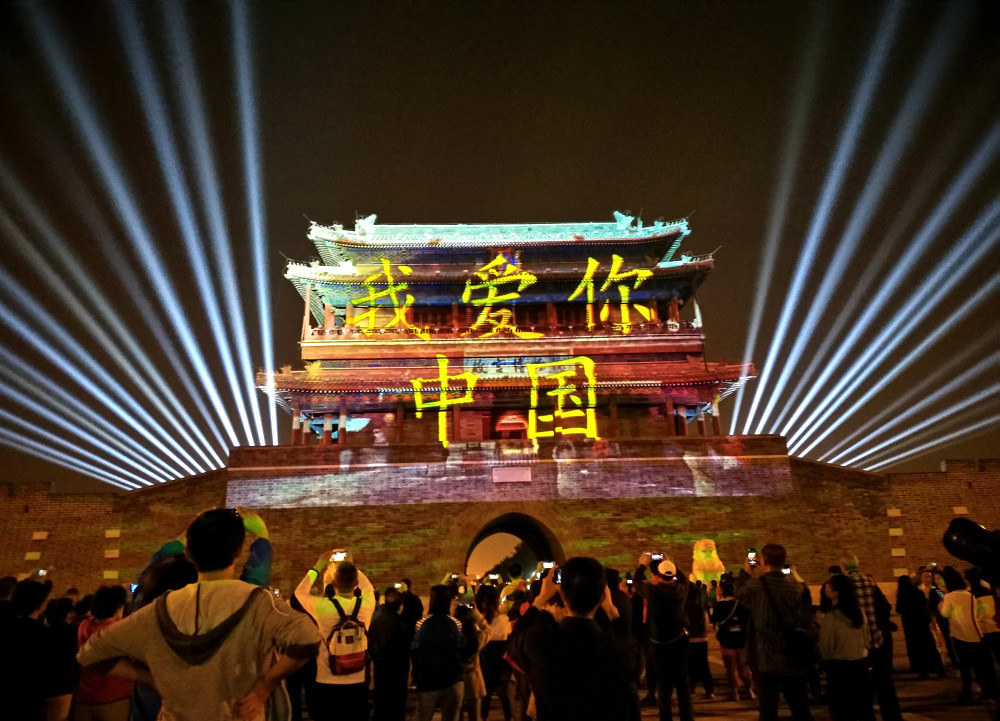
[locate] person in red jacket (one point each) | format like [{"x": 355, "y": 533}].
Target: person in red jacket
[{"x": 99, "y": 697}]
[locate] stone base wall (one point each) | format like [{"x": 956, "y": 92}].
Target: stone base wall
[{"x": 891, "y": 522}]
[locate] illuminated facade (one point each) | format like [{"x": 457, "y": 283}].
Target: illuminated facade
[{"x": 528, "y": 340}]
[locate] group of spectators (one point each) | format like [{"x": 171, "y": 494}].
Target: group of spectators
[
  {"x": 570, "y": 642},
  {"x": 947, "y": 615}
]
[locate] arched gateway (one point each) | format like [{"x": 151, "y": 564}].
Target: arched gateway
[{"x": 536, "y": 537}]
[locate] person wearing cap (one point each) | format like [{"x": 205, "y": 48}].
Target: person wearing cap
[{"x": 666, "y": 593}]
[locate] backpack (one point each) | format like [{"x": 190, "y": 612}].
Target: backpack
[{"x": 347, "y": 642}]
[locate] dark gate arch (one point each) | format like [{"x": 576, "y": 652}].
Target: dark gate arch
[{"x": 535, "y": 534}]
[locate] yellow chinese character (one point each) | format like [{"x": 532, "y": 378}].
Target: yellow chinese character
[
  {"x": 365, "y": 321},
  {"x": 615, "y": 276},
  {"x": 571, "y": 400},
  {"x": 497, "y": 272},
  {"x": 443, "y": 400}
]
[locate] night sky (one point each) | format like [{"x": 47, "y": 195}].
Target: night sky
[{"x": 500, "y": 112}]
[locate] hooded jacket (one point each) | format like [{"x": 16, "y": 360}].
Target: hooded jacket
[{"x": 206, "y": 644}]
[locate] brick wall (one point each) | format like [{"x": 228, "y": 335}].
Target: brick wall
[
  {"x": 814, "y": 509},
  {"x": 62, "y": 532},
  {"x": 922, "y": 504}
]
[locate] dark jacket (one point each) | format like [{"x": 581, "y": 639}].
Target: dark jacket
[
  {"x": 437, "y": 652},
  {"x": 577, "y": 669},
  {"x": 767, "y": 644},
  {"x": 389, "y": 638},
  {"x": 666, "y": 617}
]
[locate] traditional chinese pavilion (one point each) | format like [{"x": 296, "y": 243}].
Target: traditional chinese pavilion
[{"x": 472, "y": 334}]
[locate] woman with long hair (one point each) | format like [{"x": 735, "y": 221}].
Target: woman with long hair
[{"x": 843, "y": 644}]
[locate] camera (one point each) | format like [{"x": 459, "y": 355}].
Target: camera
[{"x": 967, "y": 540}]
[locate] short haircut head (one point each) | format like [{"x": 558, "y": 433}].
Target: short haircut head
[
  {"x": 774, "y": 555},
  {"x": 514, "y": 570},
  {"x": 345, "y": 578},
  {"x": 30, "y": 595},
  {"x": 953, "y": 580},
  {"x": 169, "y": 574},
  {"x": 727, "y": 588},
  {"x": 849, "y": 562},
  {"x": 613, "y": 577},
  {"x": 214, "y": 539},
  {"x": 487, "y": 597},
  {"x": 583, "y": 584},
  {"x": 440, "y": 600},
  {"x": 7, "y": 586},
  {"x": 107, "y": 601}
]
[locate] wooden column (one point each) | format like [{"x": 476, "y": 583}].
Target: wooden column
[
  {"x": 306, "y": 320},
  {"x": 674, "y": 311},
  {"x": 399, "y": 423},
  {"x": 668, "y": 411},
  {"x": 304, "y": 438},
  {"x": 716, "y": 420},
  {"x": 550, "y": 313},
  {"x": 328, "y": 317},
  {"x": 296, "y": 428},
  {"x": 327, "y": 437},
  {"x": 342, "y": 422},
  {"x": 700, "y": 420},
  {"x": 454, "y": 318},
  {"x": 613, "y": 418},
  {"x": 681, "y": 419}
]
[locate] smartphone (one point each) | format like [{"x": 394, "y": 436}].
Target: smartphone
[
  {"x": 338, "y": 556},
  {"x": 628, "y": 581},
  {"x": 401, "y": 587},
  {"x": 547, "y": 564},
  {"x": 276, "y": 591},
  {"x": 133, "y": 587},
  {"x": 751, "y": 556},
  {"x": 656, "y": 556},
  {"x": 786, "y": 569},
  {"x": 557, "y": 577},
  {"x": 42, "y": 572}
]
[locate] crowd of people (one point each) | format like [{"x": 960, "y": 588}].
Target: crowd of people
[{"x": 193, "y": 641}]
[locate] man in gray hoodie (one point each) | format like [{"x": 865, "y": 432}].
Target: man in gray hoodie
[{"x": 216, "y": 649}]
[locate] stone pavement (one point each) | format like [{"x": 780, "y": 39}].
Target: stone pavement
[{"x": 931, "y": 700}]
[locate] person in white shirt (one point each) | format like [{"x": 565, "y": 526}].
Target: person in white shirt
[
  {"x": 343, "y": 696},
  {"x": 959, "y": 607}
]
